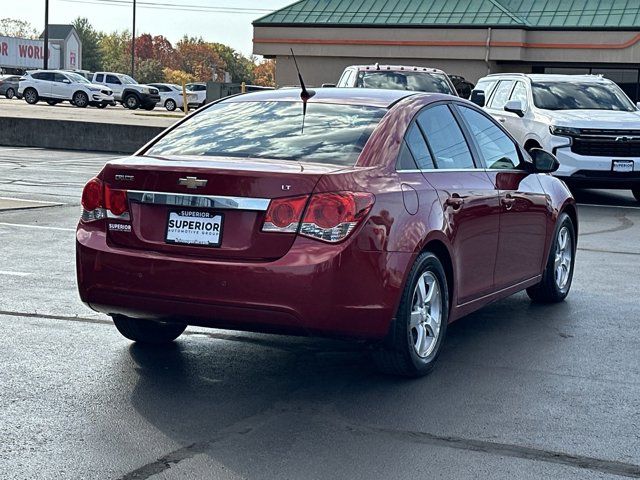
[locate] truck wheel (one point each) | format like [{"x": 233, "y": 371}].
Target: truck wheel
[
  {"x": 10, "y": 93},
  {"x": 170, "y": 105},
  {"x": 80, "y": 99},
  {"x": 131, "y": 101},
  {"x": 31, "y": 96}
]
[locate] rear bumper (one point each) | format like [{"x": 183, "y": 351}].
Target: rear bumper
[{"x": 315, "y": 289}]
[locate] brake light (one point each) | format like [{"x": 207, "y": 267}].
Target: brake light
[
  {"x": 331, "y": 217},
  {"x": 116, "y": 201},
  {"x": 100, "y": 201},
  {"x": 284, "y": 214}
]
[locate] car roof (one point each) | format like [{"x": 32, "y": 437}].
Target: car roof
[
  {"x": 396, "y": 68},
  {"x": 352, "y": 96},
  {"x": 549, "y": 77}
]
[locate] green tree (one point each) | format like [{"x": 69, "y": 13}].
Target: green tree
[
  {"x": 115, "y": 51},
  {"x": 90, "y": 39},
  {"x": 12, "y": 27},
  {"x": 239, "y": 67},
  {"x": 149, "y": 71}
]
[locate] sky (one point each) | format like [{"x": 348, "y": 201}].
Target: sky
[{"x": 222, "y": 21}]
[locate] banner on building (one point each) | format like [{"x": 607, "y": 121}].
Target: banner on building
[{"x": 26, "y": 54}]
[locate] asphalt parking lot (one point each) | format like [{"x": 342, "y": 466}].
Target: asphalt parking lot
[
  {"x": 521, "y": 391},
  {"x": 159, "y": 117}
]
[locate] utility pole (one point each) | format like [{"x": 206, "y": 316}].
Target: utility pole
[
  {"x": 133, "y": 42},
  {"x": 45, "y": 51}
]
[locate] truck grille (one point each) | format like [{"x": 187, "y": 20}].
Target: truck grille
[{"x": 607, "y": 143}]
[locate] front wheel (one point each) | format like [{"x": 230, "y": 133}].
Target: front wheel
[
  {"x": 148, "y": 331},
  {"x": 131, "y": 102},
  {"x": 170, "y": 105},
  {"x": 558, "y": 274},
  {"x": 636, "y": 193},
  {"x": 10, "y": 93},
  {"x": 420, "y": 326},
  {"x": 31, "y": 96},
  {"x": 80, "y": 99}
]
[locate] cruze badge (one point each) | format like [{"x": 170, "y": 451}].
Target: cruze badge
[{"x": 192, "y": 182}]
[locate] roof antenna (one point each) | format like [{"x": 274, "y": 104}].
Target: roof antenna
[{"x": 304, "y": 94}]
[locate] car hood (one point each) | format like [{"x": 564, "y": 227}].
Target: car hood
[
  {"x": 101, "y": 87},
  {"x": 594, "y": 119}
]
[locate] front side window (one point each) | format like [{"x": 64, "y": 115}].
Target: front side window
[
  {"x": 579, "y": 95},
  {"x": 497, "y": 149},
  {"x": 520, "y": 93},
  {"x": 77, "y": 78},
  {"x": 405, "y": 80},
  {"x": 58, "y": 77},
  {"x": 113, "y": 79},
  {"x": 501, "y": 95},
  {"x": 445, "y": 138},
  {"x": 328, "y": 133}
]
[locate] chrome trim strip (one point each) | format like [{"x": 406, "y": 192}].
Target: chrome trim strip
[{"x": 201, "y": 201}]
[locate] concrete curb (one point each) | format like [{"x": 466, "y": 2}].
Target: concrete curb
[{"x": 72, "y": 135}]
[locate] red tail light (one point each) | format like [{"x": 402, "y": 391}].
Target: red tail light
[
  {"x": 331, "y": 217},
  {"x": 116, "y": 201},
  {"x": 284, "y": 214},
  {"x": 92, "y": 195},
  {"x": 100, "y": 201}
]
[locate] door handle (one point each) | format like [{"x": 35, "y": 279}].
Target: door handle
[
  {"x": 501, "y": 120},
  {"x": 454, "y": 201},
  {"x": 508, "y": 201}
]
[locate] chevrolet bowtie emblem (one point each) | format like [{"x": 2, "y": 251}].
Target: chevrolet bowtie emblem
[{"x": 192, "y": 182}]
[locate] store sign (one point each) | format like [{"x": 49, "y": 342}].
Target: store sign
[{"x": 24, "y": 53}]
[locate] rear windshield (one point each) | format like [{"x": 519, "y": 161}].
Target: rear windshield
[
  {"x": 580, "y": 96},
  {"x": 415, "y": 81},
  {"x": 331, "y": 133}
]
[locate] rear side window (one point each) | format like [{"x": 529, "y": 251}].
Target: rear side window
[
  {"x": 418, "y": 147},
  {"x": 500, "y": 97},
  {"x": 331, "y": 133},
  {"x": 100, "y": 78},
  {"x": 48, "y": 76},
  {"x": 405, "y": 159},
  {"x": 497, "y": 149},
  {"x": 445, "y": 138}
]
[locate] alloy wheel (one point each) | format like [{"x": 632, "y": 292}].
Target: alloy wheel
[
  {"x": 426, "y": 314},
  {"x": 563, "y": 258}
]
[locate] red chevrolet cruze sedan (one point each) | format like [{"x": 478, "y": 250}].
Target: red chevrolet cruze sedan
[{"x": 369, "y": 214}]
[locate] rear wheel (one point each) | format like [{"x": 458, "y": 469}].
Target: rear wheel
[
  {"x": 558, "y": 274},
  {"x": 636, "y": 193},
  {"x": 131, "y": 101},
  {"x": 170, "y": 105},
  {"x": 80, "y": 99},
  {"x": 147, "y": 331},
  {"x": 31, "y": 96},
  {"x": 421, "y": 322},
  {"x": 10, "y": 93}
]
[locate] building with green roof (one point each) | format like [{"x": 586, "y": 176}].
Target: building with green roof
[{"x": 463, "y": 37}]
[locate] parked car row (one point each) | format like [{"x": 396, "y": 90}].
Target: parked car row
[{"x": 99, "y": 89}]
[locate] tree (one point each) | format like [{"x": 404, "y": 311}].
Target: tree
[
  {"x": 239, "y": 67},
  {"x": 177, "y": 76},
  {"x": 115, "y": 50},
  {"x": 265, "y": 73},
  {"x": 90, "y": 39},
  {"x": 198, "y": 57},
  {"x": 149, "y": 71},
  {"x": 12, "y": 27}
]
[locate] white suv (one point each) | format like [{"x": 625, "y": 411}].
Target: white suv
[
  {"x": 55, "y": 86},
  {"x": 587, "y": 121}
]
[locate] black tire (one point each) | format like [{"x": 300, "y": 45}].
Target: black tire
[
  {"x": 170, "y": 105},
  {"x": 80, "y": 99},
  {"x": 549, "y": 290},
  {"x": 398, "y": 355},
  {"x": 148, "y": 331},
  {"x": 131, "y": 101},
  {"x": 636, "y": 193},
  {"x": 31, "y": 96},
  {"x": 10, "y": 93}
]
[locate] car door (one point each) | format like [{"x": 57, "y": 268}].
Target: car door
[
  {"x": 43, "y": 83},
  {"x": 470, "y": 201},
  {"x": 525, "y": 209},
  {"x": 114, "y": 84},
  {"x": 61, "y": 87}
]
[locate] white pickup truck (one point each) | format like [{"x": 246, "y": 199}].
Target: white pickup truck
[{"x": 127, "y": 91}]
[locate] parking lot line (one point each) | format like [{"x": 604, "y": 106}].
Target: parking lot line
[
  {"x": 42, "y": 227},
  {"x": 607, "y": 206},
  {"x": 20, "y": 149}
]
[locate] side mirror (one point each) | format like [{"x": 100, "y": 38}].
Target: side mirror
[
  {"x": 328, "y": 85},
  {"x": 514, "y": 106},
  {"x": 543, "y": 161},
  {"x": 66, "y": 81},
  {"x": 477, "y": 97}
]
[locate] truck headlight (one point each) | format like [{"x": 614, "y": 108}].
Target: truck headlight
[{"x": 564, "y": 131}]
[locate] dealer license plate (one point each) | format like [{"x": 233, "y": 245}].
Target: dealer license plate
[
  {"x": 622, "y": 166},
  {"x": 188, "y": 227}
]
